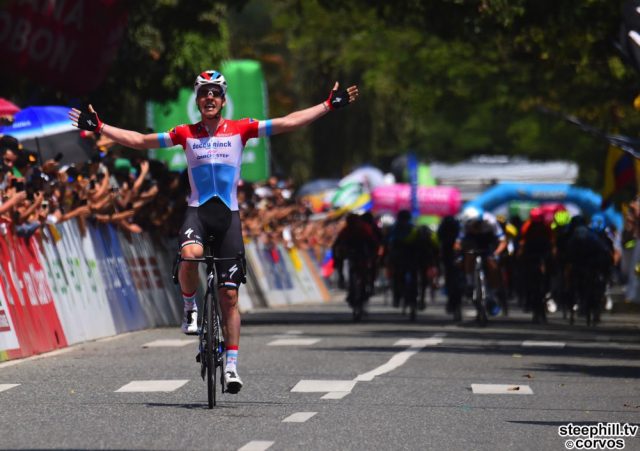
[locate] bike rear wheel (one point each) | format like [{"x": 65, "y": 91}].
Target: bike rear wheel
[
  {"x": 481, "y": 298},
  {"x": 209, "y": 351}
]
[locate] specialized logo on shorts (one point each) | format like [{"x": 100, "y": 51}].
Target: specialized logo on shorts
[
  {"x": 233, "y": 270},
  {"x": 188, "y": 232}
]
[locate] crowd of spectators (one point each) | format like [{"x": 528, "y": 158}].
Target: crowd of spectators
[{"x": 137, "y": 194}]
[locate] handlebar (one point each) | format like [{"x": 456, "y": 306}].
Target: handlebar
[{"x": 209, "y": 259}]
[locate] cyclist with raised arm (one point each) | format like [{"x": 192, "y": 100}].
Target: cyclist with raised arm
[{"x": 213, "y": 149}]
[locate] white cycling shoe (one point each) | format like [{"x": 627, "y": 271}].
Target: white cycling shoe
[
  {"x": 190, "y": 322},
  {"x": 232, "y": 381}
]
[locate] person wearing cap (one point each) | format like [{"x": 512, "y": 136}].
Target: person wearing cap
[{"x": 213, "y": 148}]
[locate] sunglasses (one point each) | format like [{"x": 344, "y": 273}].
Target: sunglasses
[{"x": 206, "y": 92}]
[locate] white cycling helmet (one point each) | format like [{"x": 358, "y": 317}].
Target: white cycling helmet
[
  {"x": 471, "y": 214},
  {"x": 210, "y": 77}
]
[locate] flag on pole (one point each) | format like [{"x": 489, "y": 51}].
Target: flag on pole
[{"x": 621, "y": 172}]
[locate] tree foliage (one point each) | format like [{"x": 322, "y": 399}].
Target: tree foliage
[{"x": 454, "y": 78}]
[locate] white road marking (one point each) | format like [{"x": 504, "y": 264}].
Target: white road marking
[
  {"x": 169, "y": 343},
  {"x": 468, "y": 313},
  {"x": 335, "y": 395},
  {"x": 543, "y": 344},
  {"x": 5, "y": 387},
  {"x": 294, "y": 341},
  {"x": 256, "y": 445},
  {"x": 415, "y": 345},
  {"x": 289, "y": 334},
  {"x": 338, "y": 389},
  {"x": 501, "y": 389},
  {"x": 299, "y": 417},
  {"x": 318, "y": 386},
  {"x": 152, "y": 386}
]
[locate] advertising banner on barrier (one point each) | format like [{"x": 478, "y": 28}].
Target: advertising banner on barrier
[
  {"x": 261, "y": 267},
  {"x": 303, "y": 273},
  {"x": 36, "y": 310},
  {"x": 15, "y": 303},
  {"x": 8, "y": 337},
  {"x": 314, "y": 272},
  {"x": 297, "y": 293},
  {"x": 123, "y": 300},
  {"x": 159, "y": 310},
  {"x": 76, "y": 284}
]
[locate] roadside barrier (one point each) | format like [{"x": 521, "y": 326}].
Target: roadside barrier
[{"x": 74, "y": 284}]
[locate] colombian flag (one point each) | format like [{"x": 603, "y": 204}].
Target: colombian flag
[{"x": 621, "y": 169}]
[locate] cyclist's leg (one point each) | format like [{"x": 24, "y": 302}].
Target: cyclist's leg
[
  {"x": 190, "y": 247},
  {"x": 230, "y": 276}
]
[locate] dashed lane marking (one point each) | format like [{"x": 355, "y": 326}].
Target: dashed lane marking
[
  {"x": 468, "y": 313},
  {"x": 335, "y": 395},
  {"x": 294, "y": 342},
  {"x": 152, "y": 386},
  {"x": 299, "y": 417},
  {"x": 319, "y": 386},
  {"x": 169, "y": 343},
  {"x": 256, "y": 445},
  {"x": 5, "y": 387},
  {"x": 501, "y": 389}
]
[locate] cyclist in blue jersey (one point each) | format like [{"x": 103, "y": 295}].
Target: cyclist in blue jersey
[{"x": 213, "y": 148}]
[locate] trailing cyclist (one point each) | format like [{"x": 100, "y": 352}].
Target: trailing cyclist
[
  {"x": 589, "y": 266},
  {"x": 448, "y": 232},
  {"x": 534, "y": 253},
  {"x": 481, "y": 234},
  {"x": 428, "y": 264},
  {"x": 403, "y": 261},
  {"x": 213, "y": 148},
  {"x": 358, "y": 244}
]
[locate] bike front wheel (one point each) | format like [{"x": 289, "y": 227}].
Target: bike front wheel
[{"x": 209, "y": 351}]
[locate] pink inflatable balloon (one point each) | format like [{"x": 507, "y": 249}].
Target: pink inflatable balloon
[{"x": 432, "y": 200}]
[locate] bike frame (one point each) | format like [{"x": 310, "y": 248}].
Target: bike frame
[
  {"x": 480, "y": 284},
  {"x": 211, "y": 341}
]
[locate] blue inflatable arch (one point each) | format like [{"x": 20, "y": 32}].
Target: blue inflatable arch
[{"x": 588, "y": 201}]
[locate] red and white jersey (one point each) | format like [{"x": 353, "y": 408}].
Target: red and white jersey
[{"x": 214, "y": 160}]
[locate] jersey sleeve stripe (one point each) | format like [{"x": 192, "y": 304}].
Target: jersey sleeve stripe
[
  {"x": 165, "y": 140},
  {"x": 264, "y": 128}
]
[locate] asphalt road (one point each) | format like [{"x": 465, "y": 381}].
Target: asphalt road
[{"x": 316, "y": 381}]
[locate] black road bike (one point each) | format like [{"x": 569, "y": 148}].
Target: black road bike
[
  {"x": 210, "y": 338},
  {"x": 480, "y": 289}
]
